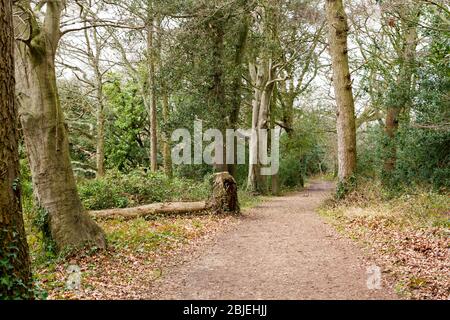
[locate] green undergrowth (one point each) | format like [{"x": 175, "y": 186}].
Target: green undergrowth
[
  {"x": 137, "y": 236},
  {"x": 118, "y": 190}
]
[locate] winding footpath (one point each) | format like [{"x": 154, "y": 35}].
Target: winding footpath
[{"x": 280, "y": 249}]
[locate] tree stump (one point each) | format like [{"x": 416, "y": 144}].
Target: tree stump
[{"x": 224, "y": 197}]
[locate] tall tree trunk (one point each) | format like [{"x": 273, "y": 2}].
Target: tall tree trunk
[
  {"x": 401, "y": 100},
  {"x": 391, "y": 127},
  {"x": 15, "y": 268},
  {"x": 263, "y": 119},
  {"x": 167, "y": 154},
  {"x": 94, "y": 58},
  {"x": 46, "y": 137},
  {"x": 218, "y": 90},
  {"x": 236, "y": 86},
  {"x": 262, "y": 76},
  {"x": 100, "y": 114},
  {"x": 100, "y": 132},
  {"x": 257, "y": 73},
  {"x": 94, "y": 50},
  {"x": 346, "y": 126},
  {"x": 152, "y": 90},
  {"x": 274, "y": 179},
  {"x": 166, "y": 143}
]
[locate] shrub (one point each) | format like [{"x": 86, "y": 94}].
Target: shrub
[
  {"x": 101, "y": 194},
  {"x": 118, "y": 190},
  {"x": 291, "y": 172}
]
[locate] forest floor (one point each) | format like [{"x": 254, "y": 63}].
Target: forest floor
[
  {"x": 408, "y": 236},
  {"x": 279, "y": 248}
]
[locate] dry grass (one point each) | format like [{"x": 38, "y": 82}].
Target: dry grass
[{"x": 407, "y": 235}]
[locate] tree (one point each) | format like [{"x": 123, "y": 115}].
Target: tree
[
  {"x": 15, "y": 271},
  {"x": 236, "y": 85},
  {"x": 94, "y": 49},
  {"x": 167, "y": 153},
  {"x": 151, "y": 24},
  {"x": 145, "y": 72},
  {"x": 400, "y": 98},
  {"x": 263, "y": 70},
  {"x": 89, "y": 59},
  {"x": 346, "y": 126},
  {"x": 202, "y": 67},
  {"x": 44, "y": 129},
  {"x": 300, "y": 35}
]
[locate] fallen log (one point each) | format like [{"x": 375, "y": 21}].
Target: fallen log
[
  {"x": 223, "y": 199},
  {"x": 151, "y": 209}
]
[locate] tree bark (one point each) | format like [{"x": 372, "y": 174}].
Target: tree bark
[
  {"x": 262, "y": 74},
  {"x": 391, "y": 127},
  {"x": 152, "y": 90},
  {"x": 167, "y": 154},
  {"x": 13, "y": 243},
  {"x": 258, "y": 75},
  {"x": 346, "y": 127},
  {"x": 224, "y": 197},
  {"x": 151, "y": 209},
  {"x": 274, "y": 179},
  {"x": 46, "y": 137}
]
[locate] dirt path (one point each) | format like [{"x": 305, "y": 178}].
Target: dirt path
[{"x": 280, "y": 250}]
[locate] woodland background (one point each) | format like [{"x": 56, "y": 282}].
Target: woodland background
[{"x": 101, "y": 85}]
